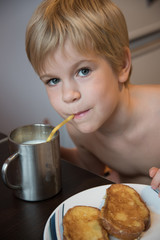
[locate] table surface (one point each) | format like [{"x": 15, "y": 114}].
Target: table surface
[{"x": 26, "y": 220}]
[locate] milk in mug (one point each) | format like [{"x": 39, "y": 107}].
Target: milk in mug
[{"x": 35, "y": 141}]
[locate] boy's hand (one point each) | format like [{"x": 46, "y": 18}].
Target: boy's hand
[{"x": 154, "y": 173}]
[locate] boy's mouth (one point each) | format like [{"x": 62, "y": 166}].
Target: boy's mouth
[{"x": 81, "y": 114}]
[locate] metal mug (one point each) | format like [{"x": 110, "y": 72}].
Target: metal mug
[{"x": 35, "y": 167}]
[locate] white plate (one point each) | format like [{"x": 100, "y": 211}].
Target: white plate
[{"x": 95, "y": 197}]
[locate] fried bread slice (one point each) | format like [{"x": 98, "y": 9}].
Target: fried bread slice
[
  {"x": 83, "y": 223},
  {"x": 124, "y": 214}
]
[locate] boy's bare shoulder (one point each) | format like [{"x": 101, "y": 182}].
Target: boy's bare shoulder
[
  {"x": 146, "y": 95},
  {"x": 143, "y": 90}
]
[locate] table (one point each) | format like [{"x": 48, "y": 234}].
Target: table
[{"x": 22, "y": 220}]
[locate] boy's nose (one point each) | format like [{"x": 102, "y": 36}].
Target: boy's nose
[{"x": 70, "y": 94}]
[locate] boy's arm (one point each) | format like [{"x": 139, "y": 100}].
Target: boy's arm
[
  {"x": 69, "y": 154},
  {"x": 83, "y": 158}
]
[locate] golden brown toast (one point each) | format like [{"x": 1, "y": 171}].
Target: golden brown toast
[
  {"x": 83, "y": 223},
  {"x": 124, "y": 214}
]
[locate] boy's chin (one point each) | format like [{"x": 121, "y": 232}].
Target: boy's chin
[{"x": 87, "y": 129}]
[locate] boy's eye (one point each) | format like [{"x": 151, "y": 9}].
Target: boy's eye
[
  {"x": 53, "y": 81},
  {"x": 83, "y": 72}
]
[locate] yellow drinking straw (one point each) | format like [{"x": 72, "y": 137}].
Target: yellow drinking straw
[{"x": 58, "y": 126}]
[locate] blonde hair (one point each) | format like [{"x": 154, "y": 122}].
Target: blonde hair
[{"x": 92, "y": 26}]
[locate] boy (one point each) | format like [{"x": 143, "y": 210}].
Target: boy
[{"x": 80, "y": 50}]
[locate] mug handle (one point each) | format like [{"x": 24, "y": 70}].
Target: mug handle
[{"x": 4, "y": 171}]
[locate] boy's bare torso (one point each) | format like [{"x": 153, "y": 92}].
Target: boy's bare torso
[{"x": 134, "y": 150}]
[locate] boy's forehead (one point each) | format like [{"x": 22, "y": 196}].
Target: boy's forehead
[
  {"x": 69, "y": 50},
  {"x": 69, "y": 53}
]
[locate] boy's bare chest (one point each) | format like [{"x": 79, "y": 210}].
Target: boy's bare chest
[{"x": 129, "y": 157}]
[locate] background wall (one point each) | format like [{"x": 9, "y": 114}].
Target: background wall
[
  {"x": 23, "y": 99},
  {"x": 143, "y": 21}
]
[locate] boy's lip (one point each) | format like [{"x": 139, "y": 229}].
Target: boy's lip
[{"x": 81, "y": 114}]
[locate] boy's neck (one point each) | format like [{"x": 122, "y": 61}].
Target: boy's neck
[{"x": 122, "y": 117}]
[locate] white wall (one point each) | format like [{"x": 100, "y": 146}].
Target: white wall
[
  {"x": 146, "y": 67},
  {"x": 143, "y": 19},
  {"x": 23, "y": 99},
  {"x": 141, "y": 16}
]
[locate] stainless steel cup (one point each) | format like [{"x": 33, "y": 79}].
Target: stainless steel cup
[{"x": 35, "y": 166}]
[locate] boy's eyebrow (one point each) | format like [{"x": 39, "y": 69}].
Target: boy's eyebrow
[{"x": 47, "y": 75}]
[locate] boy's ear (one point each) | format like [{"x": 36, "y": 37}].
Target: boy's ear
[{"x": 124, "y": 73}]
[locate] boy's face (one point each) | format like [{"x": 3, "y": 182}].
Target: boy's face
[{"x": 81, "y": 85}]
